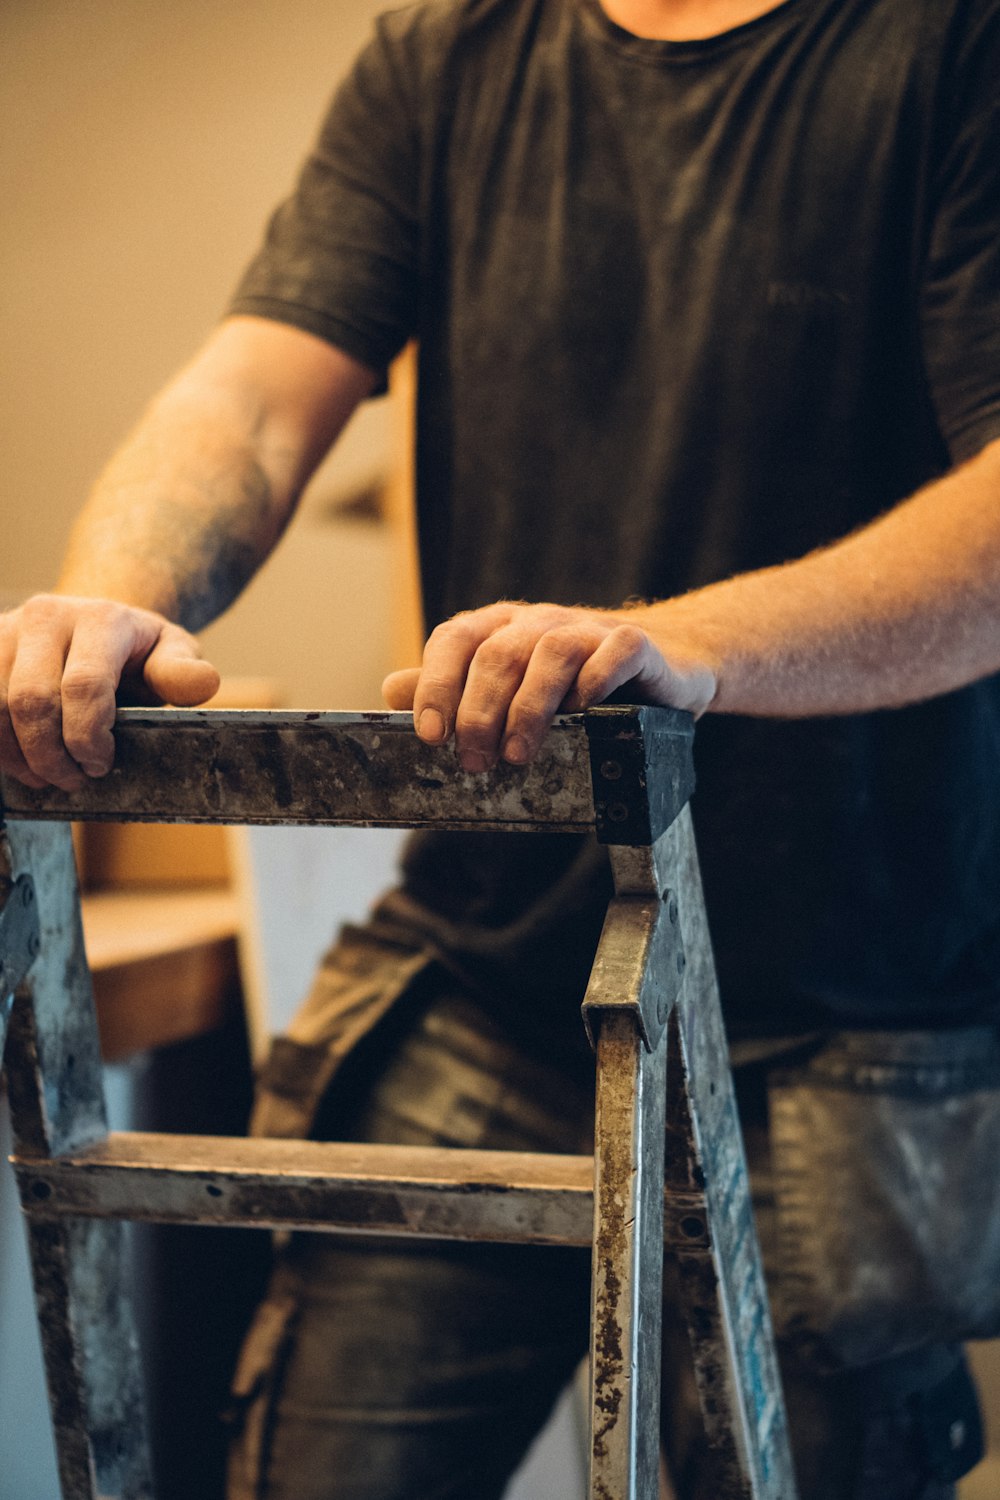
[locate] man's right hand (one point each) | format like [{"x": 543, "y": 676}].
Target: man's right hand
[{"x": 64, "y": 662}]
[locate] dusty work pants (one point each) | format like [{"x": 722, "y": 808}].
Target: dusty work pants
[{"x": 381, "y": 1370}]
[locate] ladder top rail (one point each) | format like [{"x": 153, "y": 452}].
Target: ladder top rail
[{"x": 625, "y": 771}]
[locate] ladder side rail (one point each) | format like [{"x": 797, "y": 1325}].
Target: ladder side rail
[
  {"x": 642, "y": 778},
  {"x": 627, "y": 1270},
  {"x": 710, "y": 1225},
  {"x": 19, "y": 939},
  {"x": 55, "y": 1086}
]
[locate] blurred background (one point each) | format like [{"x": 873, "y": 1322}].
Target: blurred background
[{"x": 143, "y": 147}]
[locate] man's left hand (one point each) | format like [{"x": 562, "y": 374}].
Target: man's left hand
[{"x": 496, "y": 677}]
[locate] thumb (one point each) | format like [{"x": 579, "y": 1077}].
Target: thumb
[
  {"x": 399, "y": 688},
  {"x": 175, "y": 672}
]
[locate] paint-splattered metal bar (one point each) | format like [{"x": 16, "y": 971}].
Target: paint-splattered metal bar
[{"x": 370, "y": 769}]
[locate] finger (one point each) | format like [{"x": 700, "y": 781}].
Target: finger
[
  {"x": 447, "y": 657},
  {"x": 34, "y": 696},
  {"x": 494, "y": 677},
  {"x": 399, "y": 688},
  {"x": 176, "y": 672},
  {"x": 106, "y": 638},
  {"x": 12, "y": 762},
  {"x": 626, "y": 655},
  {"x": 550, "y": 676}
]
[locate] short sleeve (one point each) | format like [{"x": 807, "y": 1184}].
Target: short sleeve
[
  {"x": 340, "y": 256},
  {"x": 961, "y": 291}
]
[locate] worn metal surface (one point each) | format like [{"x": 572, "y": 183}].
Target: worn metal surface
[
  {"x": 709, "y": 1225},
  {"x": 644, "y": 869},
  {"x": 642, "y": 768},
  {"x": 634, "y": 982},
  {"x": 69, "y": 1110},
  {"x": 627, "y": 1289},
  {"x": 18, "y": 942},
  {"x": 635, "y": 979},
  {"x": 638, "y": 966},
  {"x": 500, "y": 1196},
  {"x": 370, "y": 769},
  {"x": 79, "y": 1272},
  {"x": 80, "y": 1275},
  {"x": 226, "y": 766}
]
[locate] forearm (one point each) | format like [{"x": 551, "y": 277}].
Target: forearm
[
  {"x": 198, "y": 495},
  {"x": 186, "y": 511},
  {"x": 905, "y": 609}
]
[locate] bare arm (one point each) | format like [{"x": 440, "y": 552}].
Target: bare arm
[
  {"x": 185, "y": 513},
  {"x": 906, "y": 608}
]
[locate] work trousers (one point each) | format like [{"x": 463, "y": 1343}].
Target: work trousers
[{"x": 402, "y": 1370}]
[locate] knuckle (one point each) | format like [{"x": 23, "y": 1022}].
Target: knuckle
[
  {"x": 106, "y": 614},
  {"x": 458, "y": 628},
  {"x": 41, "y": 610},
  {"x": 630, "y": 638},
  {"x": 434, "y": 689},
  {"x": 563, "y": 640},
  {"x": 497, "y": 654},
  {"x": 81, "y": 685},
  {"x": 547, "y": 685},
  {"x": 30, "y": 706},
  {"x": 477, "y": 726},
  {"x": 530, "y": 718}
]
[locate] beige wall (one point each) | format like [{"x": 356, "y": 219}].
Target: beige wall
[{"x": 143, "y": 145}]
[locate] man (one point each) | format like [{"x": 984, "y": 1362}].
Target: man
[{"x": 706, "y": 294}]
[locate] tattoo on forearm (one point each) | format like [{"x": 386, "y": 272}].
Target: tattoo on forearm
[
  {"x": 214, "y": 560},
  {"x": 229, "y": 562},
  {"x": 194, "y": 543}
]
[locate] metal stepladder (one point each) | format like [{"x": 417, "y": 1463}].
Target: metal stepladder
[{"x": 668, "y": 1171}]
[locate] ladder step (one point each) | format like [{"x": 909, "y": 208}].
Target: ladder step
[{"x": 432, "y": 1192}]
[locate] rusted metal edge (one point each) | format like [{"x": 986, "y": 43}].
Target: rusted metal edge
[
  {"x": 638, "y": 966},
  {"x": 54, "y": 1083},
  {"x": 430, "y": 1192},
  {"x": 19, "y": 939},
  {"x": 642, "y": 768},
  {"x": 282, "y": 766},
  {"x": 627, "y": 1263},
  {"x": 19, "y": 942},
  {"x": 711, "y": 1228},
  {"x": 134, "y": 1166},
  {"x": 79, "y": 1269}
]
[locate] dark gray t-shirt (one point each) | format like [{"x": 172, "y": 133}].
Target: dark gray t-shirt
[{"x": 686, "y": 309}]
